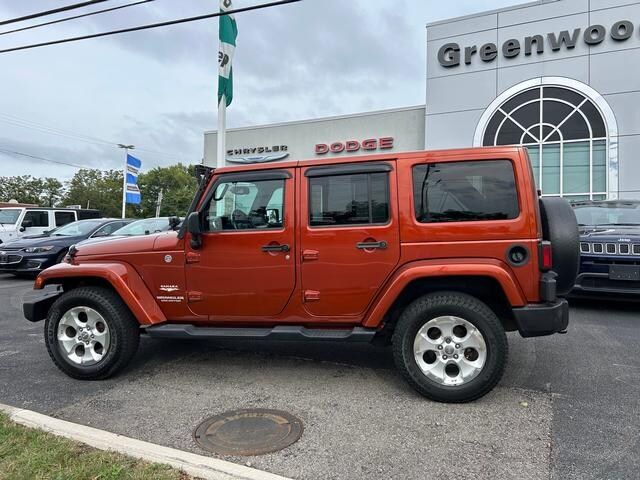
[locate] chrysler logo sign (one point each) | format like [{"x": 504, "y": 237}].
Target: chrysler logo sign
[
  {"x": 257, "y": 154},
  {"x": 452, "y": 54}
]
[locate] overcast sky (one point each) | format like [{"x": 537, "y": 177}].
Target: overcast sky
[{"x": 156, "y": 89}]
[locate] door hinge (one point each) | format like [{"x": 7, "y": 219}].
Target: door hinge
[
  {"x": 194, "y": 297},
  {"x": 311, "y": 295},
  {"x": 193, "y": 257}
]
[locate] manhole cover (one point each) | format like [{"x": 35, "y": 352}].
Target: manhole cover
[{"x": 248, "y": 432}]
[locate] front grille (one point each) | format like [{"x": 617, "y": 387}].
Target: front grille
[
  {"x": 6, "y": 259},
  {"x": 610, "y": 248}
]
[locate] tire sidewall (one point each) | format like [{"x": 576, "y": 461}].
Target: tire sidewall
[
  {"x": 415, "y": 317},
  {"x": 58, "y": 309}
]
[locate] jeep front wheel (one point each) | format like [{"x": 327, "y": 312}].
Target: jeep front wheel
[
  {"x": 90, "y": 333},
  {"x": 450, "y": 347}
]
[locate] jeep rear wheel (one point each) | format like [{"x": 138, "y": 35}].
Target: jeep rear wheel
[
  {"x": 450, "y": 347},
  {"x": 90, "y": 333}
]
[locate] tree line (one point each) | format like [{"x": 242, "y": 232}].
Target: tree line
[{"x": 102, "y": 190}]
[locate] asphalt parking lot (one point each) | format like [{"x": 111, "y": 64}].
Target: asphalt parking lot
[{"x": 567, "y": 408}]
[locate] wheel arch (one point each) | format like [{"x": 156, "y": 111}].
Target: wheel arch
[
  {"x": 487, "y": 281},
  {"x": 120, "y": 277}
]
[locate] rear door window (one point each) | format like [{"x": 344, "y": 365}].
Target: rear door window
[
  {"x": 62, "y": 218},
  {"x": 361, "y": 198},
  {"x": 465, "y": 191}
]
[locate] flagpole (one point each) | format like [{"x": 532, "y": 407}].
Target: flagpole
[
  {"x": 124, "y": 177},
  {"x": 222, "y": 133}
]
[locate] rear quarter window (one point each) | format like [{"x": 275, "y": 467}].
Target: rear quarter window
[{"x": 465, "y": 191}]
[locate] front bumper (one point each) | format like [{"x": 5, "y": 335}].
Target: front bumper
[
  {"x": 600, "y": 283},
  {"x": 36, "y": 307},
  {"x": 537, "y": 320}
]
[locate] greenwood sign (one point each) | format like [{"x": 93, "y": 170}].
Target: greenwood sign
[{"x": 452, "y": 54}]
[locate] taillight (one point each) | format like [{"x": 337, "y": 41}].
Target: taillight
[{"x": 546, "y": 256}]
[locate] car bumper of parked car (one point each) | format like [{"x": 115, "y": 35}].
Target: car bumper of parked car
[
  {"x": 601, "y": 283},
  {"x": 26, "y": 263},
  {"x": 537, "y": 320}
]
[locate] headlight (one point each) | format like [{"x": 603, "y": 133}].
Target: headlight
[{"x": 38, "y": 249}]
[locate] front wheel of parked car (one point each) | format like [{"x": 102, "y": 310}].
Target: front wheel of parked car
[
  {"x": 90, "y": 333},
  {"x": 450, "y": 347}
]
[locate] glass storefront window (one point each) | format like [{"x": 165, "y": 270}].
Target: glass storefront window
[{"x": 565, "y": 135}]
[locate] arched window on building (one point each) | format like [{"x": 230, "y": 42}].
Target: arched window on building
[{"x": 565, "y": 134}]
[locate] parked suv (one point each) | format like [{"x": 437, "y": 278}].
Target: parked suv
[
  {"x": 17, "y": 222},
  {"x": 436, "y": 253},
  {"x": 609, "y": 247}
]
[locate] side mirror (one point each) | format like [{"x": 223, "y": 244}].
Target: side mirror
[
  {"x": 26, "y": 224},
  {"x": 174, "y": 223},
  {"x": 193, "y": 227}
]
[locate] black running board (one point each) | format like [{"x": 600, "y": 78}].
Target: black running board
[{"x": 281, "y": 333}]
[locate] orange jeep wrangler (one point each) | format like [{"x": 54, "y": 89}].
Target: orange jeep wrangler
[{"x": 436, "y": 253}]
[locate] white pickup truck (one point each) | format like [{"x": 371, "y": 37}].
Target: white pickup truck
[{"x": 16, "y": 222}]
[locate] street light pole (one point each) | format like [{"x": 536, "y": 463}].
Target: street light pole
[{"x": 124, "y": 175}]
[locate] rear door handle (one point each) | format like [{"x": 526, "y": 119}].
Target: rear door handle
[
  {"x": 371, "y": 245},
  {"x": 275, "y": 248}
]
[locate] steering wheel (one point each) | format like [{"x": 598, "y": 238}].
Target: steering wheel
[{"x": 240, "y": 220}]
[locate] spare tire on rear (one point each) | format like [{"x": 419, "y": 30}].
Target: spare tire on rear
[{"x": 560, "y": 227}]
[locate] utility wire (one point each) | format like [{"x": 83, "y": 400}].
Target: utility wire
[
  {"x": 13, "y": 152},
  {"x": 66, "y": 19},
  {"x": 153, "y": 25},
  {"x": 51, "y": 12},
  {"x": 19, "y": 122}
]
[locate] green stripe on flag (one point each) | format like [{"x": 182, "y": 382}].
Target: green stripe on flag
[{"x": 227, "y": 34}]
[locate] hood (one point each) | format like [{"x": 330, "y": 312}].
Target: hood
[
  {"x": 611, "y": 234},
  {"x": 44, "y": 240},
  {"x": 90, "y": 241},
  {"x": 118, "y": 245}
]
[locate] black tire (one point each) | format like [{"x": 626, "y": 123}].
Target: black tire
[
  {"x": 123, "y": 327},
  {"x": 469, "y": 308},
  {"x": 560, "y": 227}
]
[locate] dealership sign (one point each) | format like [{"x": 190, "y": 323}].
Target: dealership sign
[
  {"x": 452, "y": 54},
  {"x": 351, "y": 146},
  {"x": 257, "y": 154}
]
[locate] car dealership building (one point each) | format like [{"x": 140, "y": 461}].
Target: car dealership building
[{"x": 561, "y": 77}]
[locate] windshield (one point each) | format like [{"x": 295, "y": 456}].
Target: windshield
[
  {"x": 9, "y": 215},
  {"x": 144, "y": 227},
  {"x": 76, "y": 229},
  {"x": 608, "y": 214}
]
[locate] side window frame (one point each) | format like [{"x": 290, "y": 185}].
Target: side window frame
[
  {"x": 414, "y": 206},
  {"x": 47, "y": 215},
  {"x": 249, "y": 177},
  {"x": 367, "y": 169}
]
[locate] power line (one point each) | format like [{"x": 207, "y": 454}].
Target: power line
[
  {"x": 153, "y": 25},
  {"x": 19, "y": 122},
  {"x": 13, "y": 152},
  {"x": 66, "y": 19},
  {"x": 51, "y": 12}
]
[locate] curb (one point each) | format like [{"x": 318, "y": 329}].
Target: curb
[{"x": 195, "y": 465}]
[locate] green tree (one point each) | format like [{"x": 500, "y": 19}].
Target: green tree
[
  {"x": 27, "y": 189},
  {"x": 178, "y": 185},
  {"x": 98, "y": 189}
]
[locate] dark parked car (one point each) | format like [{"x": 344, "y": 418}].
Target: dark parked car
[
  {"x": 609, "y": 247},
  {"x": 29, "y": 256}
]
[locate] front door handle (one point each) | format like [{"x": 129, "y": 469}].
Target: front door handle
[
  {"x": 275, "y": 248},
  {"x": 371, "y": 245}
]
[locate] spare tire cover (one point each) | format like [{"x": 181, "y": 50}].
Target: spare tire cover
[{"x": 560, "y": 227}]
